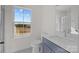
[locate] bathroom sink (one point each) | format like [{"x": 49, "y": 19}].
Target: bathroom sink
[{"x": 56, "y": 37}]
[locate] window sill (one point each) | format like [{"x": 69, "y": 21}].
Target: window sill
[{"x": 23, "y": 36}]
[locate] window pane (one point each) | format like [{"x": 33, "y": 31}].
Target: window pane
[
  {"x": 27, "y": 16},
  {"x": 22, "y": 21},
  {"x": 18, "y": 15}
]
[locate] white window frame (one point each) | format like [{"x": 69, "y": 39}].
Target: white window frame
[{"x": 29, "y": 34}]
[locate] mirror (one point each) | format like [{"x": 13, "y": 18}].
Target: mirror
[
  {"x": 60, "y": 21},
  {"x": 63, "y": 21},
  {"x": 67, "y": 21},
  {"x": 75, "y": 20}
]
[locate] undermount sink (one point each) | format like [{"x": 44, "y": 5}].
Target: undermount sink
[{"x": 56, "y": 37}]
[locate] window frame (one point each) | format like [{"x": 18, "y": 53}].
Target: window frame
[{"x": 29, "y": 34}]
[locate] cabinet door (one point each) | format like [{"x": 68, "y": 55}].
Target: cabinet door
[
  {"x": 60, "y": 50},
  {"x": 46, "y": 49}
]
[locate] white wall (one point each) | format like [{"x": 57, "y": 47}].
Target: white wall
[
  {"x": 36, "y": 22},
  {"x": 0, "y": 22},
  {"x": 49, "y": 21},
  {"x": 13, "y": 45},
  {"x": 9, "y": 41}
]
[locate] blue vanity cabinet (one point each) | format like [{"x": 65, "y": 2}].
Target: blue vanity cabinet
[
  {"x": 50, "y": 47},
  {"x": 46, "y": 49}
]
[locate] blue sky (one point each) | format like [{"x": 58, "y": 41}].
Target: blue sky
[{"x": 20, "y": 13}]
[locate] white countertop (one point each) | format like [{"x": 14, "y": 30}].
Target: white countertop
[{"x": 70, "y": 45}]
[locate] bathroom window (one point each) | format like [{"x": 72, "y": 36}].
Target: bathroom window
[{"x": 22, "y": 21}]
